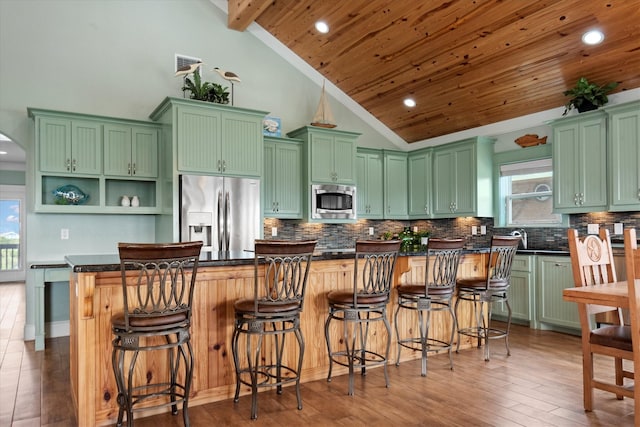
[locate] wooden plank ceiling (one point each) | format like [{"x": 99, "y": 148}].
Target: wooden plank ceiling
[{"x": 467, "y": 63}]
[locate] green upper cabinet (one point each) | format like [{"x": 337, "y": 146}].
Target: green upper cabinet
[
  {"x": 624, "y": 157},
  {"x": 395, "y": 185},
  {"x": 69, "y": 146},
  {"x": 282, "y": 180},
  {"x": 579, "y": 163},
  {"x": 330, "y": 154},
  {"x": 462, "y": 179},
  {"x": 105, "y": 158},
  {"x": 213, "y": 138},
  {"x": 420, "y": 175},
  {"x": 369, "y": 183},
  {"x": 130, "y": 151}
]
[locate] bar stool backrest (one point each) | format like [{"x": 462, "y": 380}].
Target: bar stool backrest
[
  {"x": 166, "y": 274},
  {"x": 373, "y": 268},
  {"x": 443, "y": 258},
  {"x": 286, "y": 272},
  {"x": 503, "y": 249}
]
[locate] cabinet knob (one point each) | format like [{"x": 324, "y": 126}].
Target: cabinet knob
[
  {"x": 69, "y": 168},
  {"x": 73, "y": 165},
  {"x": 129, "y": 169},
  {"x": 277, "y": 206},
  {"x": 224, "y": 165},
  {"x": 134, "y": 169},
  {"x": 219, "y": 166}
]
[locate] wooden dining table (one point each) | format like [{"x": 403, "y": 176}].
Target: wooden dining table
[{"x": 614, "y": 295}]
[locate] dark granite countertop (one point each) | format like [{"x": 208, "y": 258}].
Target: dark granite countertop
[{"x": 111, "y": 262}]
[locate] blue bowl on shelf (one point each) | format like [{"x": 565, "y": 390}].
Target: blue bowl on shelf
[{"x": 69, "y": 195}]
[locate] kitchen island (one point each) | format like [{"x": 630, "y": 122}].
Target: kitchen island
[{"x": 96, "y": 294}]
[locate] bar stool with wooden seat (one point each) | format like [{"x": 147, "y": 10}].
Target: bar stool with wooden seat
[
  {"x": 157, "y": 284},
  {"x": 435, "y": 294},
  {"x": 487, "y": 290},
  {"x": 281, "y": 271},
  {"x": 364, "y": 304},
  {"x": 592, "y": 263}
]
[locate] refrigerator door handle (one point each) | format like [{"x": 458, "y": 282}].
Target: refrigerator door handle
[
  {"x": 227, "y": 230},
  {"x": 220, "y": 223}
]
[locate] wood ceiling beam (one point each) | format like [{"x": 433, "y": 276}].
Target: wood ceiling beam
[{"x": 243, "y": 12}]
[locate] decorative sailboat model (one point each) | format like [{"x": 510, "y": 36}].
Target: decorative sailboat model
[{"x": 323, "y": 117}]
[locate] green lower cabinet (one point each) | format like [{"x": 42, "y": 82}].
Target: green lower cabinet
[
  {"x": 554, "y": 274},
  {"x": 521, "y": 292}
]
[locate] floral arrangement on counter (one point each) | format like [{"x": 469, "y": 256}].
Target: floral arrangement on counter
[{"x": 412, "y": 241}]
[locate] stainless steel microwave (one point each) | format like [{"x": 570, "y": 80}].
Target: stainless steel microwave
[{"x": 333, "y": 201}]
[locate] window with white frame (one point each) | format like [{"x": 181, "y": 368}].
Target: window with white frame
[{"x": 526, "y": 189}]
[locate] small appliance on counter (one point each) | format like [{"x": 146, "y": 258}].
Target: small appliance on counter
[{"x": 222, "y": 212}]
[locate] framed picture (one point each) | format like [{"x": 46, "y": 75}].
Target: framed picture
[{"x": 272, "y": 126}]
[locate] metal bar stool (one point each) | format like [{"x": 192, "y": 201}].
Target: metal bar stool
[
  {"x": 365, "y": 303},
  {"x": 280, "y": 280},
  {"x": 435, "y": 294},
  {"x": 487, "y": 290},
  {"x": 156, "y": 316}
]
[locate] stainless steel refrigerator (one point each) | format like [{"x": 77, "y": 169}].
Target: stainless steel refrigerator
[{"x": 222, "y": 212}]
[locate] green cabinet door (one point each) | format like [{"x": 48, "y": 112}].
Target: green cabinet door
[
  {"x": 444, "y": 183},
  {"x": 395, "y": 185},
  {"x": 198, "y": 139},
  {"x": 369, "y": 184},
  {"x": 218, "y": 141},
  {"x": 282, "y": 179},
  {"x": 241, "y": 144},
  {"x": 420, "y": 174},
  {"x": 117, "y": 150},
  {"x": 579, "y": 164},
  {"x": 70, "y": 146},
  {"x": 624, "y": 155},
  {"x": 554, "y": 274},
  {"x": 330, "y": 154},
  {"x": 54, "y": 136},
  {"x": 521, "y": 291},
  {"x": 462, "y": 179},
  {"x": 130, "y": 151},
  {"x": 144, "y": 152}
]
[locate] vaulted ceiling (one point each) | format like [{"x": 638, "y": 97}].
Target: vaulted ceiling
[{"x": 467, "y": 63}]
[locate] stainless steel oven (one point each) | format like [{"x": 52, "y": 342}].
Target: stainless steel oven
[{"x": 333, "y": 201}]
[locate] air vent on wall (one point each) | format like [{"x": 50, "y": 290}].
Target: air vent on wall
[{"x": 183, "y": 60}]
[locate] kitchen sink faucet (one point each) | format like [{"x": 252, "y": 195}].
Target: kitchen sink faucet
[{"x": 523, "y": 236}]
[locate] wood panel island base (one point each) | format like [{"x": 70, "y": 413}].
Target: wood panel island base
[{"x": 96, "y": 293}]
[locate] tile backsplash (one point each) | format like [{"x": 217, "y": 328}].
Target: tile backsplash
[{"x": 331, "y": 236}]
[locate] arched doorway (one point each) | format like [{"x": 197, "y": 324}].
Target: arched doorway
[{"x": 12, "y": 211}]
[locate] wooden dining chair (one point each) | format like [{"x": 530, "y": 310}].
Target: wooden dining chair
[
  {"x": 632, "y": 264},
  {"x": 592, "y": 264}
]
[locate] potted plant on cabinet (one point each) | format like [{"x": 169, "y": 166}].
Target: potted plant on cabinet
[
  {"x": 587, "y": 96},
  {"x": 203, "y": 90}
]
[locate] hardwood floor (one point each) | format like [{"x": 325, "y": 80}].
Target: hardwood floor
[{"x": 539, "y": 385}]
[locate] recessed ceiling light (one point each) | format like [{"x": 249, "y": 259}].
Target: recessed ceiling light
[
  {"x": 3, "y": 152},
  {"x": 593, "y": 37},
  {"x": 322, "y": 27},
  {"x": 410, "y": 102}
]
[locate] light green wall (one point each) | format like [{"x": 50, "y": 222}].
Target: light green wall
[{"x": 12, "y": 177}]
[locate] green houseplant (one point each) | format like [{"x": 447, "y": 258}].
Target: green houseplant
[
  {"x": 205, "y": 91},
  {"x": 587, "y": 96}
]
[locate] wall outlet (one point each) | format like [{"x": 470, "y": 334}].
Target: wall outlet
[
  {"x": 592, "y": 228},
  {"x": 274, "y": 231},
  {"x": 618, "y": 228},
  {"x": 474, "y": 230},
  {"x": 64, "y": 234},
  {"x": 370, "y": 231},
  {"x": 483, "y": 229}
]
